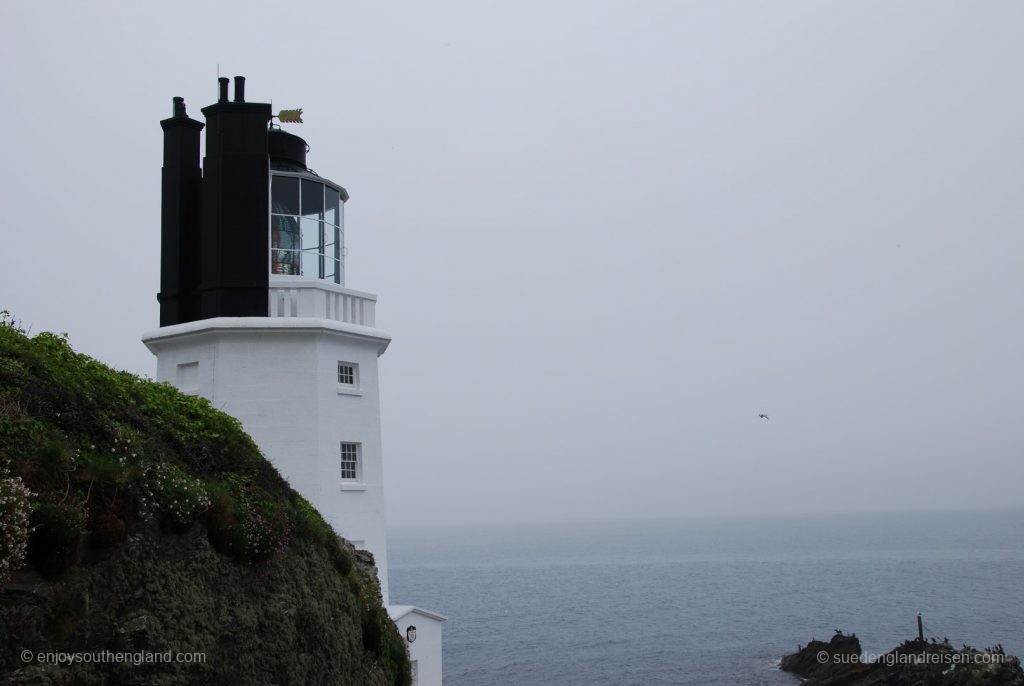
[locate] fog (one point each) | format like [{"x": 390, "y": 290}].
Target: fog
[{"x": 605, "y": 235}]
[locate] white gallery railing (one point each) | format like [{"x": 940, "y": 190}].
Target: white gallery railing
[{"x": 292, "y": 297}]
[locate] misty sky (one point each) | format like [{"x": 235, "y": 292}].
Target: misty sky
[{"x": 604, "y": 235}]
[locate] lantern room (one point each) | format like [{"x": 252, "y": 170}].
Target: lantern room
[{"x": 307, "y": 227}]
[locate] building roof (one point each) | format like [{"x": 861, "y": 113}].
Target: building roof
[{"x": 398, "y": 611}]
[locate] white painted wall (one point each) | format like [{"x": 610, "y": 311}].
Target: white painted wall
[{"x": 278, "y": 376}]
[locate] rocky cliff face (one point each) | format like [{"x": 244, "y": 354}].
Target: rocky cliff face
[
  {"x": 290, "y": 620},
  {"x": 144, "y": 540},
  {"x": 912, "y": 663}
]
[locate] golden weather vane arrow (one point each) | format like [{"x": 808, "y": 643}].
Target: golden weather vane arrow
[{"x": 290, "y": 116}]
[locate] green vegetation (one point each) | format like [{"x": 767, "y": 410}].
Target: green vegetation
[
  {"x": 88, "y": 454},
  {"x": 15, "y": 508}
]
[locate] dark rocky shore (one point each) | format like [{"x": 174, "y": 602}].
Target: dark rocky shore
[{"x": 841, "y": 662}]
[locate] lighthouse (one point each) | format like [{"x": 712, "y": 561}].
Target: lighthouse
[{"x": 256, "y": 317}]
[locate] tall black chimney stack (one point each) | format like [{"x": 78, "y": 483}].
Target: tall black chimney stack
[
  {"x": 235, "y": 262},
  {"x": 181, "y": 181}
]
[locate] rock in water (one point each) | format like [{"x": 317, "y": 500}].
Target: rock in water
[{"x": 840, "y": 662}]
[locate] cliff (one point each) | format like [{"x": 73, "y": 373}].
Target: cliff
[
  {"x": 839, "y": 662},
  {"x": 144, "y": 539}
]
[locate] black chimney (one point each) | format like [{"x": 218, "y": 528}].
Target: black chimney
[
  {"x": 235, "y": 243},
  {"x": 181, "y": 183},
  {"x": 222, "y": 84}
]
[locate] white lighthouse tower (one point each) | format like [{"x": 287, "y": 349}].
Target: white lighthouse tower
[{"x": 256, "y": 317}]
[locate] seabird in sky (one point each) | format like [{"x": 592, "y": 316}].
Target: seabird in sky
[{"x": 763, "y": 416}]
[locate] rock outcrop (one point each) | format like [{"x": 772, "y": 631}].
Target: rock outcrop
[
  {"x": 291, "y": 620},
  {"x": 840, "y": 662}
]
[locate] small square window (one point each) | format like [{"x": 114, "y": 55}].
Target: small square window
[
  {"x": 347, "y": 373},
  {"x": 349, "y": 461}
]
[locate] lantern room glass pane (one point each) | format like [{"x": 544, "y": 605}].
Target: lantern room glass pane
[
  {"x": 312, "y": 198},
  {"x": 332, "y": 200},
  {"x": 311, "y": 264},
  {"x": 284, "y": 242},
  {"x": 284, "y": 195},
  {"x": 284, "y": 232},
  {"x": 285, "y": 262},
  {"x": 310, "y": 234}
]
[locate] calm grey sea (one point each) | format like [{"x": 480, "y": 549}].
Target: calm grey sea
[{"x": 705, "y": 601}]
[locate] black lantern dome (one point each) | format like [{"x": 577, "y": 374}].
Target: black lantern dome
[{"x": 287, "y": 151}]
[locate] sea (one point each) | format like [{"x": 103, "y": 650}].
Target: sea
[{"x": 705, "y": 600}]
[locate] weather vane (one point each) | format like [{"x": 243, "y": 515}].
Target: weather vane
[{"x": 290, "y": 116}]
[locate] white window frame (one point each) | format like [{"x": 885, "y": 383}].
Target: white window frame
[
  {"x": 353, "y": 388},
  {"x": 351, "y": 483}
]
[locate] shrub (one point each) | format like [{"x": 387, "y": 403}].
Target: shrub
[
  {"x": 396, "y": 656},
  {"x": 108, "y": 530},
  {"x": 179, "y": 498},
  {"x": 15, "y": 511},
  {"x": 53, "y": 543},
  {"x": 381, "y": 639},
  {"x": 266, "y": 531},
  {"x": 245, "y": 521},
  {"x": 340, "y": 557},
  {"x": 222, "y": 528},
  {"x": 373, "y": 629}
]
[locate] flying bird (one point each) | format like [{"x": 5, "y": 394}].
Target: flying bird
[{"x": 763, "y": 416}]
